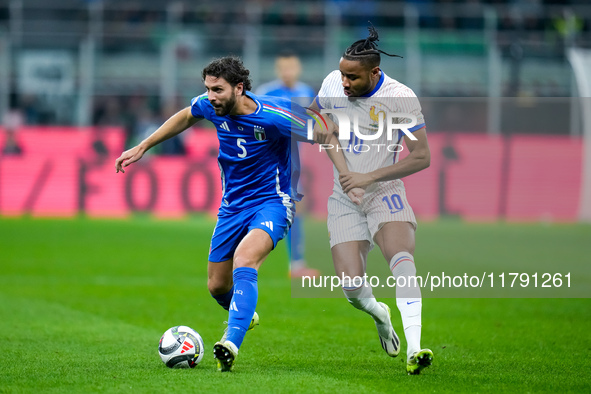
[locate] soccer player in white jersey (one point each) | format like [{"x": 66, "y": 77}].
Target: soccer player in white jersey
[{"x": 383, "y": 215}]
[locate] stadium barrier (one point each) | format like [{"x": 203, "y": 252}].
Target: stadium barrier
[{"x": 65, "y": 171}]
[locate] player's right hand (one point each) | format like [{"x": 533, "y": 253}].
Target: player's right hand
[
  {"x": 129, "y": 156},
  {"x": 356, "y": 195}
]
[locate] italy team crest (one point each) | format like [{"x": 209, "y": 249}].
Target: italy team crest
[{"x": 259, "y": 133}]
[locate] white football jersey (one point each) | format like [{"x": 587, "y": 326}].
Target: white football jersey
[{"x": 369, "y": 114}]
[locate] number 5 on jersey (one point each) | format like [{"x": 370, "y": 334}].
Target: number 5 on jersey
[{"x": 238, "y": 142}]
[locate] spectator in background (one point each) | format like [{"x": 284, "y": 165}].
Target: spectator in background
[
  {"x": 288, "y": 69},
  {"x": 32, "y": 110},
  {"x": 13, "y": 120}
]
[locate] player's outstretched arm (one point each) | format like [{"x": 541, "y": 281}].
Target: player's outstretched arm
[
  {"x": 418, "y": 159},
  {"x": 176, "y": 124}
]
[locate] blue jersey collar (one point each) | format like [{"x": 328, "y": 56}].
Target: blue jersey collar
[
  {"x": 255, "y": 99},
  {"x": 378, "y": 86}
]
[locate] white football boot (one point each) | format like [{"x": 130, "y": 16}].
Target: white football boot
[{"x": 388, "y": 338}]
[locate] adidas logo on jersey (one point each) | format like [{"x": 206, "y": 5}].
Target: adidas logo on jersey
[
  {"x": 225, "y": 126},
  {"x": 268, "y": 225}
]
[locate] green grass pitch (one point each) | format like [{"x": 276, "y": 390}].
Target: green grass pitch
[{"x": 83, "y": 304}]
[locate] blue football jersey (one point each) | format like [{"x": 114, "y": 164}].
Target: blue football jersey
[{"x": 257, "y": 151}]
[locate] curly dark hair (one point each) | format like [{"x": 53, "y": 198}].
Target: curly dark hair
[
  {"x": 366, "y": 51},
  {"x": 231, "y": 69}
]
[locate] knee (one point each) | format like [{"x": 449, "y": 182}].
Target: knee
[
  {"x": 218, "y": 286},
  {"x": 244, "y": 261}
]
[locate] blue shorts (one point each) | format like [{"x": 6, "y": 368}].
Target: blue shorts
[{"x": 274, "y": 218}]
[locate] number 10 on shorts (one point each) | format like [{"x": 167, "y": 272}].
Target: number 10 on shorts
[{"x": 394, "y": 203}]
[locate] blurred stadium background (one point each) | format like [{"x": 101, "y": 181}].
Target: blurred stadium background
[{"x": 81, "y": 80}]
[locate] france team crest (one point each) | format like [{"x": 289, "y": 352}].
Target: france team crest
[{"x": 259, "y": 133}]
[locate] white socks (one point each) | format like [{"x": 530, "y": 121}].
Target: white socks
[
  {"x": 363, "y": 299},
  {"x": 408, "y": 299}
]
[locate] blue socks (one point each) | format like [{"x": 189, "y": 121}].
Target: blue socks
[
  {"x": 224, "y": 299},
  {"x": 295, "y": 244},
  {"x": 243, "y": 303}
]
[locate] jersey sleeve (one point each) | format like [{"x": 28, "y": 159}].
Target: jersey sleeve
[
  {"x": 408, "y": 102},
  {"x": 291, "y": 120},
  {"x": 198, "y": 106},
  {"x": 328, "y": 90}
]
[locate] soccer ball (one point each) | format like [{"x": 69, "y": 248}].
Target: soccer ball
[{"x": 181, "y": 347}]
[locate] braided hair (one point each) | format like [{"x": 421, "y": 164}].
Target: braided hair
[
  {"x": 231, "y": 69},
  {"x": 366, "y": 50}
]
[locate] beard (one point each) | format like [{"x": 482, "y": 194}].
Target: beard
[{"x": 227, "y": 107}]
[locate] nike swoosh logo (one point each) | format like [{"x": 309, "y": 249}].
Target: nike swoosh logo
[{"x": 408, "y": 303}]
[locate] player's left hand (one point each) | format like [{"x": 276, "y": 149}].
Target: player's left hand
[{"x": 351, "y": 180}]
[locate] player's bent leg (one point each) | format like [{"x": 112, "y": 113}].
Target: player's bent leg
[
  {"x": 397, "y": 242},
  {"x": 253, "y": 249},
  {"x": 242, "y": 306},
  {"x": 408, "y": 299},
  {"x": 362, "y": 298},
  {"x": 349, "y": 259},
  {"x": 219, "y": 282},
  {"x": 394, "y": 237},
  {"x": 248, "y": 257}
]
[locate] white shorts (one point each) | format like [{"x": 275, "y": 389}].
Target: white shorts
[{"x": 385, "y": 202}]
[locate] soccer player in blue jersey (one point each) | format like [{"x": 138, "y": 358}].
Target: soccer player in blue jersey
[
  {"x": 257, "y": 208},
  {"x": 287, "y": 85}
]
